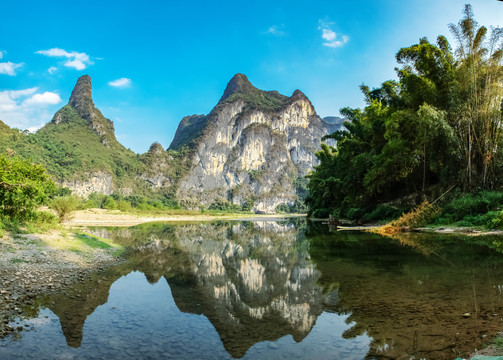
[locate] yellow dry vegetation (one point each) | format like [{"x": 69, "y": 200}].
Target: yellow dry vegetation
[{"x": 418, "y": 217}]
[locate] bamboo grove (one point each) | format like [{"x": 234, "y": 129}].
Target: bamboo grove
[{"x": 437, "y": 126}]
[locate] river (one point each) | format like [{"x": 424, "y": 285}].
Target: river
[{"x": 272, "y": 290}]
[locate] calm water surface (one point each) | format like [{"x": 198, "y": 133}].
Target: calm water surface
[{"x": 273, "y": 290}]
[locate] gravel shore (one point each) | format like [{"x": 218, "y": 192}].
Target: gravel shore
[{"x": 31, "y": 265}]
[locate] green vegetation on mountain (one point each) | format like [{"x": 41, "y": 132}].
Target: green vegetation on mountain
[
  {"x": 80, "y": 141},
  {"x": 438, "y": 127}
]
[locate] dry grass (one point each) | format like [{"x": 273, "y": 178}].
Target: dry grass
[{"x": 420, "y": 216}]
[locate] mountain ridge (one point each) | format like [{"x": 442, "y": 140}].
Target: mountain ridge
[{"x": 251, "y": 150}]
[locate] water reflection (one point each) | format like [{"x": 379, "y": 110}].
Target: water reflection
[{"x": 286, "y": 290}]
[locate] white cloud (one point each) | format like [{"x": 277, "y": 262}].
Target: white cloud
[
  {"x": 120, "y": 83},
  {"x": 1, "y": 54},
  {"x": 328, "y": 35},
  {"x": 52, "y": 69},
  {"x": 15, "y": 94},
  {"x": 46, "y": 98},
  {"x": 9, "y": 68},
  {"x": 76, "y": 60},
  {"x": 275, "y": 30},
  {"x": 331, "y": 37},
  {"x": 27, "y": 109}
]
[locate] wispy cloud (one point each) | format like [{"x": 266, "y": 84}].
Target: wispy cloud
[
  {"x": 9, "y": 68},
  {"x": 121, "y": 83},
  {"x": 27, "y": 108},
  {"x": 276, "y": 30},
  {"x": 52, "y": 69},
  {"x": 1, "y": 55},
  {"x": 76, "y": 60},
  {"x": 330, "y": 37}
]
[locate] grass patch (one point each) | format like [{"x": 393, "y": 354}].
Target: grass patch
[
  {"x": 18, "y": 261},
  {"x": 96, "y": 242},
  {"x": 84, "y": 243},
  {"x": 498, "y": 342},
  {"x": 92, "y": 241}
]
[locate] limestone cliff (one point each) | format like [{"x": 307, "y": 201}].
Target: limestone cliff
[{"x": 255, "y": 146}]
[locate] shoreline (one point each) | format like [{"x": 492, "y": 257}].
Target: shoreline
[
  {"x": 101, "y": 217},
  {"x": 32, "y": 265}
]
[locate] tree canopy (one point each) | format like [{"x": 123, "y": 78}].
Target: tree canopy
[
  {"x": 438, "y": 125},
  {"x": 23, "y": 187}
]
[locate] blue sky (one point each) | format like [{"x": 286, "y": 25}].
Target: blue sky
[{"x": 153, "y": 62}]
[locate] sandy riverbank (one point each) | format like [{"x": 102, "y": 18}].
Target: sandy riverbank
[{"x": 101, "y": 217}]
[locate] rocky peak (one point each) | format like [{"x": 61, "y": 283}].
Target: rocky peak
[
  {"x": 82, "y": 97},
  {"x": 238, "y": 84},
  {"x": 156, "y": 149},
  {"x": 298, "y": 95},
  {"x": 81, "y": 105}
]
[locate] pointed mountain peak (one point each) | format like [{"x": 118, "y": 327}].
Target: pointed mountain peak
[
  {"x": 297, "y": 95},
  {"x": 82, "y": 96},
  {"x": 81, "y": 105},
  {"x": 238, "y": 84}
]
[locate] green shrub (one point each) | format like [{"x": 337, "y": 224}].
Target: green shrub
[
  {"x": 42, "y": 221},
  {"x": 223, "y": 205},
  {"x": 23, "y": 187},
  {"x": 247, "y": 205},
  {"x": 497, "y": 220},
  {"x": 321, "y": 213},
  {"x": 472, "y": 204},
  {"x": 95, "y": 200},
  {"x": 124, "y": 205},
  {"x": 143, "y": 206},
  {"x": 355, "y": 214},
  {"x": 109, "y": 203},
  {"x": 383, "y": 212},
  {"x": 64, "y": 206}
]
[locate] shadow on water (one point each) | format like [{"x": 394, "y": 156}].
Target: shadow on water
[{"x": 346, "y": 295}]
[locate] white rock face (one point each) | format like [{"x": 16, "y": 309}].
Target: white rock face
[
  {"x": 99, "y": 182},
  {"x": 254, "y": 154}
]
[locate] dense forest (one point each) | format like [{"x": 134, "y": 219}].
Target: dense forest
[{"x": 435, "y": 129}]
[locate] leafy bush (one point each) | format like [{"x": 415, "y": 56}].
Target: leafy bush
[
  {"x": 65, "y": 206},
  {"x": 109, "y": 203},
  {"x": 247, "y": 205},
  {"x": 472, "y": 205},
  {"x": 42, "y": 221},
  {"x": 23, "y": 187},
  {"x": 124, "y": 205},
  {"x": 223, "y": 205},
  {"x": 383, "y": 212},
  {"x": 94, "y": 200},
  {"x": 321, "y": 213},
  {"x": 497, "y": 220},
  {"x": 355, "y": 214}
]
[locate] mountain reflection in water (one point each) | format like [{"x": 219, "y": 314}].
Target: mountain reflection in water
[{"x": 338, "y": 295}]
